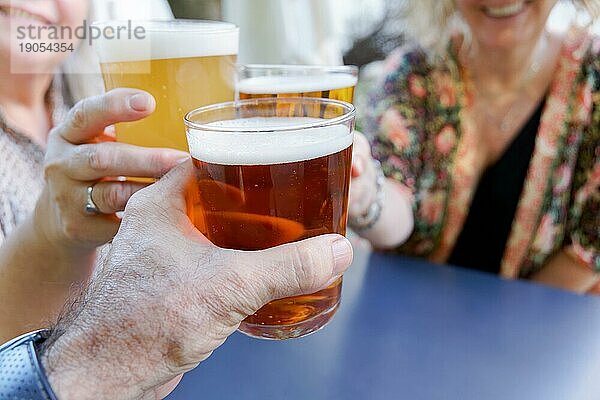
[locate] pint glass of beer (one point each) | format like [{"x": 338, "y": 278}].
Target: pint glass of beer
[
  {"x": 261, "y": 81},
  {"x": 269, "y": 172},
  {"x": 184, "y": 64}
]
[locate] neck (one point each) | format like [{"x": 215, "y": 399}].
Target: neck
[
  {"x": 506, "y": 70},
  {"x": 23, "y": 90},
  {"x": 23, "y": 103}
]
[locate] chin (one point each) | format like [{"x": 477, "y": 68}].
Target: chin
[
  {"x": 30, "y": 62},
  {"x": 510, "y": 24},
  {"x": 507, "y": 37}
]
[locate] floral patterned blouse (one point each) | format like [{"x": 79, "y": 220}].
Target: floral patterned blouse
[{"x": 414, "y": 123}]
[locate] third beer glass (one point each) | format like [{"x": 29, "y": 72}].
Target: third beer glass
[
  {"x": 269, "y": 172},
  {"x": 260, "y": 81},
  {"x": 184, "y": 64}
]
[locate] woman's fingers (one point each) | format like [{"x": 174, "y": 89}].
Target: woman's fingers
[
  {"x": 361, "y": 156},
  {"x": 89, "y": 162},
  {"x": 90, "y": 116},
  {"x": 363, "y": 184},
  {"x": 111, "y": 197},
  {"x": 358, "y": 165},
  {"x": 361, "y": 143}
]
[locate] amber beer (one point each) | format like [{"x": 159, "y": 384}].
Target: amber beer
[
  {"x": 183, "y": 64},
  {"x": 263, "y": 81},
  {"x": 268, "y": 174}
]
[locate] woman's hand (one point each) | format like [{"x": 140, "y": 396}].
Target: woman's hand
[
  {"x": 394, "y": 223},
  {"x": 363, "y": 187},
  {"x": 82, "y": 154}
]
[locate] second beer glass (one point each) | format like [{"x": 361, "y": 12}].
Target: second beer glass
[
  {"x": 269, "y": 172},
  {"x": 262, "y": 81}
]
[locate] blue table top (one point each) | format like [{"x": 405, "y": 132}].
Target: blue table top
[{"x": 407, "y": 329}]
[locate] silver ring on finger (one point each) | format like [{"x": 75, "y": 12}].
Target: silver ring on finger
[{"x": 91, "y": 207}]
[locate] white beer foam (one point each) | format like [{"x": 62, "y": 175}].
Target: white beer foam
[
  {"x": 263, "y": 148},
  {"x": 296, "y": 84},
  {"x": 177, "y": 39}
]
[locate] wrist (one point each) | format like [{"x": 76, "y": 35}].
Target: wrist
[
  {"x": 64, "y": 374},
  {"x": 87, "y": 358},
  {"x": 75, "y": 372}
]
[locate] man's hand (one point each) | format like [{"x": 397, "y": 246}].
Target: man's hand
[{"x": 166, "y": 298}]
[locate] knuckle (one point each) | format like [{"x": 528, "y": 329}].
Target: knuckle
[
  {"x": 147, "y": 203},
  {"x": 308, "y": 266},
  {"x": 138, "y": 206},
  {"x": 72, "y": 229},
  {"x": 115, "y": 196},
  {"x": 158, "y": 163},
  {"x": 78, "y": 115},
  {"x": 97, "y": 159},
  {"x": 51, "y": 168},
  {"x": 112, "y": 103}
]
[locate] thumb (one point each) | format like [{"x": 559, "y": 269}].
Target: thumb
[
  {"x": 171, "y": 190},
  {"x": 296, "y": 268}
]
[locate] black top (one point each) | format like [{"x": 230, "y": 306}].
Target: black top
[{"x": 482, "y": 241}]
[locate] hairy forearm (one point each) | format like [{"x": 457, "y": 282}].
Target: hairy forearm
[
  {"x": 396, "y": 222},
  {"x": 35, "y": 279},
  {"x": 565, "y": 272}
]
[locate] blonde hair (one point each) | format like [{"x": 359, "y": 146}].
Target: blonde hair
[{"x": 431, "y": 23}]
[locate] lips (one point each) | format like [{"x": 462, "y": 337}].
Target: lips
[
  {"x": 16, "y": 12},
  {"x": 505, "y": 11}
]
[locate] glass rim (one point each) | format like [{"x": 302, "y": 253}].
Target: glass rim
[
  {"x": 351, "y": 69},
  {"x": 350, "y": 113},
  {"x": 168, "y": 25}
]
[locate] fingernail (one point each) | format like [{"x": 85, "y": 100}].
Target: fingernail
[
  {"x": 110, "y": 130},
  {"x": 140, "y": 102},
  {"x": 342, "y": 254}
]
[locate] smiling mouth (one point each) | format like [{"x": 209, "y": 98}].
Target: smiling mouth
[
  {"x": 20, "y": 13},
  {"x": 506, "y": 11}
]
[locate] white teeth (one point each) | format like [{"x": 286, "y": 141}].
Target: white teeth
[{"x": 505, "y": 11}]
